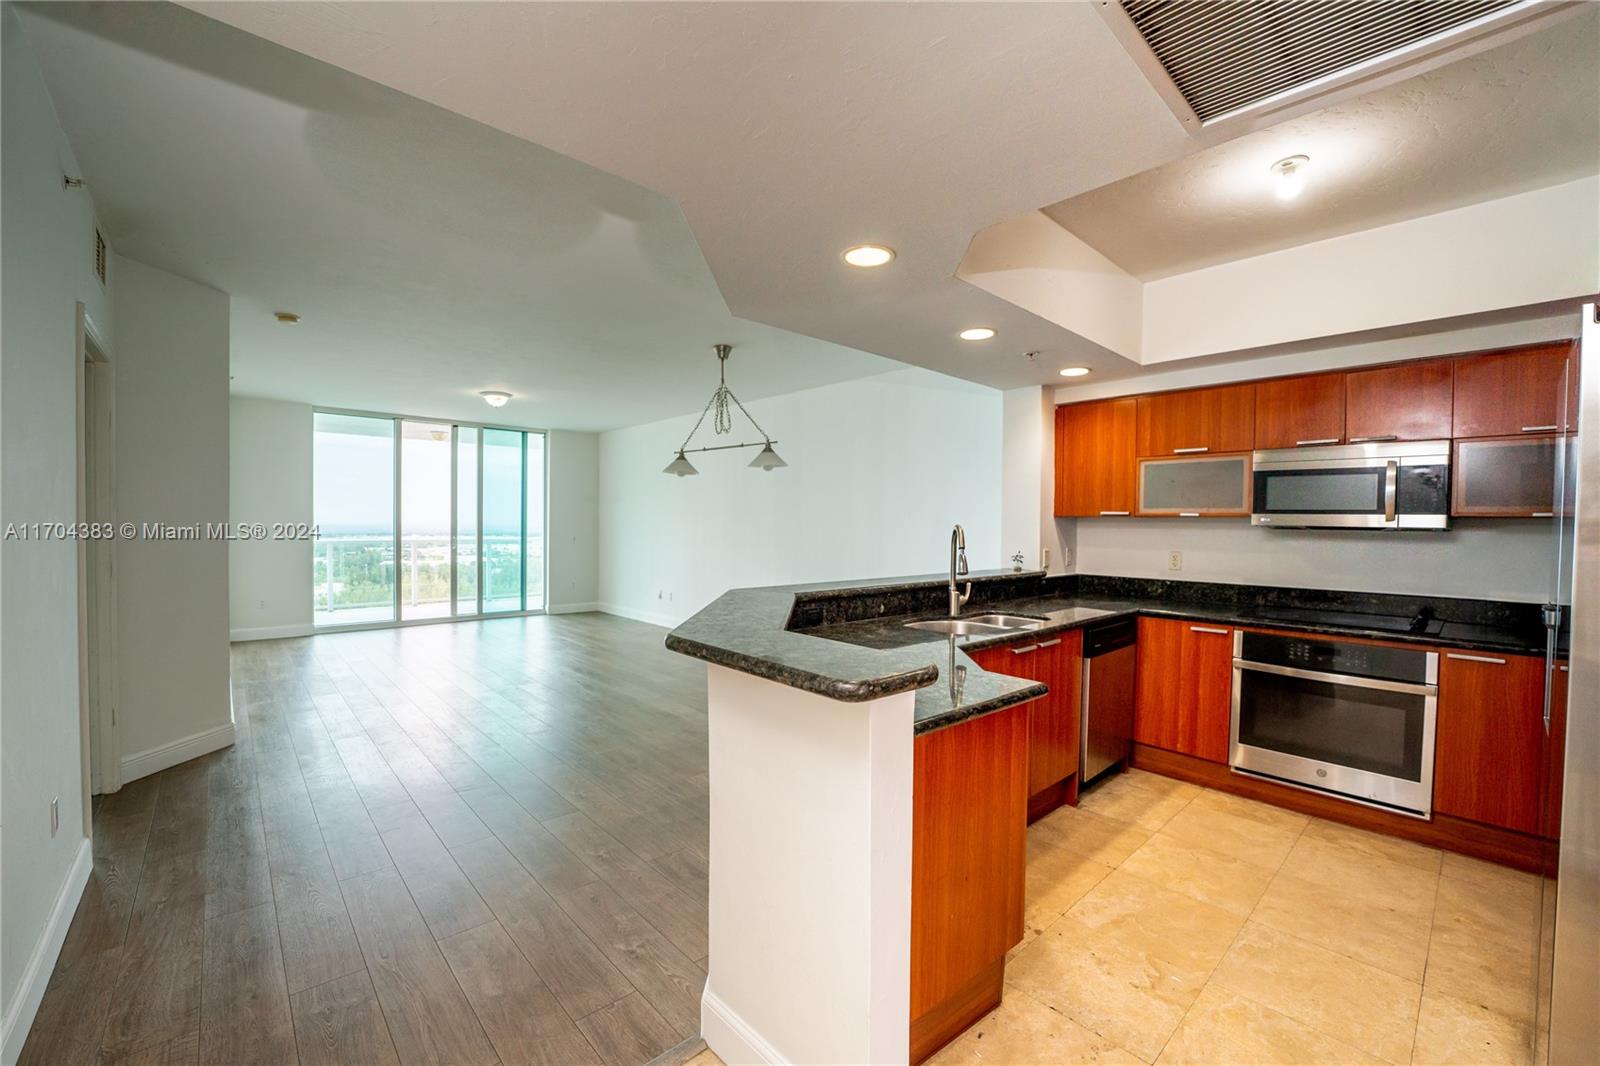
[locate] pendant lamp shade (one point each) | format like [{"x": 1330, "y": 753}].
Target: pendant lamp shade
[
  {"x": 767, "y": 459},
  {"x": 681, "y": 466}
]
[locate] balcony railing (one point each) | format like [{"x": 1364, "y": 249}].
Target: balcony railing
[{"x": 354, "y": 576}]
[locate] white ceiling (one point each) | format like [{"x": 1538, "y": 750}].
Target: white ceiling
[
  {"x": 1518, "y": 117},
  {"x": 429, "y": 256}
]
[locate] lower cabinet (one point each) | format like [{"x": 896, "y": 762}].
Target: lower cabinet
[
  {"x": 1053, "y": 719},
  {"x": 968, "y": 863},
  {"x": 1489, "y": 747},
  {"x": 1183, "y": 699}
]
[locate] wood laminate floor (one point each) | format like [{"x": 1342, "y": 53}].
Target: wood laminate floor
[{"x": 471, "y": 843}]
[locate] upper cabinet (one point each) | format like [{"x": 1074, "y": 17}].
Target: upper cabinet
[
  {"x": 1410, "y": 401},
  {"x": 1197, "y": 421},
  {"x": 1300, "y": 412},
  {"x": 1502, "y": 394},
  {"x": 1094, "y": 457}
]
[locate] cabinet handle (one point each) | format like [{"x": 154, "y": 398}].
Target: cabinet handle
[
  {"x": 1188, "y": 514},
  {"x": 1048, "y": 643},
  {"x": 1490, "y": 659},
  {"x": 1025, "y": 649},
  {"x": 1542, "y": 514},
  {"x": 1208, "y": 629},
  {"x": 1375, "y": 438},
  {"x": 1540, "y": 429},
  {"x": 1563, "y": 669},
  {"x": 1319, "y": 440},
  {"x": 1194, "y": 451},
  {"x": 1113, "y": 514}
]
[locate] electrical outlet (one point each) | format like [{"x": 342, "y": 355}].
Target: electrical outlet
[
  {"x": 55, "y": 814},
  {"x": 1174, "y": 560}
]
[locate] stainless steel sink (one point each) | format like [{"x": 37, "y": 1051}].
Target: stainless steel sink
[{"x": 979, "y": 624}]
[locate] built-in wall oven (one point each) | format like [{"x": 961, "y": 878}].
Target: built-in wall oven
[
  {"x": 1372, "y": 485},
  {"x": 1352, "y": 719}
]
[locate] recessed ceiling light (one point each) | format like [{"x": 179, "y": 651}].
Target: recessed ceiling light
[
  {"x": 494, "y": 397},
  {"x": 1074, "y": 371},
  {"x": 977, "y": 333},
  {"x": 288, "y": 318},
  {"x": 868, "y": 255},
  {"x": 1289, "y": 176}
]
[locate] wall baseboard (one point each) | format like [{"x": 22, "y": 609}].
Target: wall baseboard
[
  {"x": 269, "y": 632},
  {"x": 571, "y": 608},
  {"x": 730, "y": 1036},
  {"x": 36, "y": 975},
  {"x": 655, "y": 618},
  {"x": 153, "y": 761}
]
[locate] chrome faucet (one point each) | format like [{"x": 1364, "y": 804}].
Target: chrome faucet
[{"x": 958, "y": 568}]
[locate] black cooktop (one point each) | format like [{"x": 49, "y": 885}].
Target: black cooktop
[{"x": 1421, "y": 624}]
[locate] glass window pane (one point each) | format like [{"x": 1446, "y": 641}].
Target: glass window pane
[
  {"x": 533, "y": 553},
  {"x": 353, "y": 506},
  {"x": 502, "y": 520},
  {"x": 466, "y": 520},
  {"x": 424, "y": 520}
]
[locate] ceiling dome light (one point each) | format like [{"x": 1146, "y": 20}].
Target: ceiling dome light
[
  {"x": 868, "y": 255},
  {"x": 288, "y": 318},
  {"x": 1290, "y": 176},
  {"x": 494, "y": 397},
  {"x": 1074, "y": 371},
  {"x": 977, "y": 333}
]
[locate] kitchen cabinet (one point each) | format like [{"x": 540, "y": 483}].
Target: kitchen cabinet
[
  {"x": 1196, "y": 421},
  {"x": 968, "y": 862},
  {"x": 1505, "y": 477},
  {"x": 1555, "y": 755},
  {"x": 1094, "y": 457},
  {"x": 1197, "y": 487},
  {"x": 1489, "y": 739},
  {"x": 1053, "y": 719},
  {"x": 1524, "y": 390},
  {"x": 1408, "y": 401},
  {"x": 1300, "y": 411},
  {"x": 1183, "y": 699}
]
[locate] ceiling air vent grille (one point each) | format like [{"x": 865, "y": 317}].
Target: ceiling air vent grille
[
  {"x": 1227, "y": 55},
  {"x": 99, "y": 256}
]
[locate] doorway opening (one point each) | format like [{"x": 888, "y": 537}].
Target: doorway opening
[{"x": 97, "y": 655}]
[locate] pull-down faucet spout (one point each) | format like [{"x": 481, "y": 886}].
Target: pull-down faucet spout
[{"x": 958, "y": 568}]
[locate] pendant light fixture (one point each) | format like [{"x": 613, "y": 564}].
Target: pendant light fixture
[{"x": 722, "y": 402}]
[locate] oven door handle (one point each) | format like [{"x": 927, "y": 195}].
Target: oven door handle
[
  {"x": 1338, "y": 679},
  {"x": 1391, "y": 478}
]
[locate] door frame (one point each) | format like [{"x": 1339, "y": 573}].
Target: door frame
[{"x": 96, "y": 507}]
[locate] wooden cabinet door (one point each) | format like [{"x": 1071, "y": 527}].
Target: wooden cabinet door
[
  {"x": 1196, "y": 421},
  {"x": 1411, "y": 401},
  {"x": 1498, "y": 394},
  {"x": 1489, "y": 739},
  {"x": 1185, "y": 687},
  {"x": 1298, "y": 412},
  {"x": 1507, "y": 477},
  {"x": 1094, "y": 457},
  {"x": 1555, "y": 755},
  {"x": 1054, "y": 725}
]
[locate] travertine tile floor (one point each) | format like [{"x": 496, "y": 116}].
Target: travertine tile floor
[{"x": 1172, "y": 924}]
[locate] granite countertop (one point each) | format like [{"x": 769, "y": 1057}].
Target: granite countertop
[{"x": 848, "y": 640}]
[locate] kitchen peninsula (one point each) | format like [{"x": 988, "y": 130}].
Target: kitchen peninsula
[{"x": 870, "y": 781}]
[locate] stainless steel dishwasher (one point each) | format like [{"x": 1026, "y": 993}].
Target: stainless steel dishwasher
[{"x": 1109, "y": 656}]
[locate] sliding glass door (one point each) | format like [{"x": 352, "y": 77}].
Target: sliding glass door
[
  {"x": 353, "y": 494},
  {"x": 424, "y": 521}
]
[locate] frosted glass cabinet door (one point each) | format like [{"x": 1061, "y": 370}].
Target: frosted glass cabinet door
[
  {"x": 1208, "y": 485},
  {"x": 1510, "y": 477}
]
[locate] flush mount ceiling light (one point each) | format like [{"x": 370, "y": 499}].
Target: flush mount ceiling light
[
  {"x": 977, "y": 333},
  {"x": 722, "y": 402},
  {"x": 1074, "y": 371},
  {"x": 494, "y": 397},
  {"x": 1289, "y": 176},
  {"x": 868, "y": 255},
  {"x": 288, "y": 318}
]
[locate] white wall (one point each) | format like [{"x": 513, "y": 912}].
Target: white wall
[
  {"x": 49, "y": 234},
  {"x": 172, "y": 468},
  {"x": 269, "y": 481},
  {"x": 1028, "y": 482},
  {"x": 1478, "y": 559},
  {"x": 574, "y": 534},
  {"x": 880, "y": 468}
]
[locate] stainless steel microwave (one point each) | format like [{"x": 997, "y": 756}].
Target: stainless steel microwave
[{"x": 1383, "y": 485}]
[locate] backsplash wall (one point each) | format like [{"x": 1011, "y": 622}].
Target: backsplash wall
[{"x": 1481, "y": 559}]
